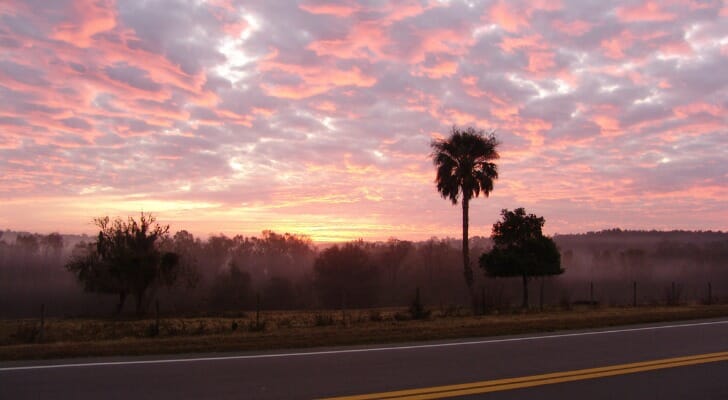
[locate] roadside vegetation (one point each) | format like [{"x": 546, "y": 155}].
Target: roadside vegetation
[{"x": 81, "y": 337}]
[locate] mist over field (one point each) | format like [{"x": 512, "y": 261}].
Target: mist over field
[{"x": 290, "y": 272}]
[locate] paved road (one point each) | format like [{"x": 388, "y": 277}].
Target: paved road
[{"x": 365, "y": 370}]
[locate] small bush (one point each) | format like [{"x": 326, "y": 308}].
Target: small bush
[
  {"x": 417, "y": 309},
  {"x": 285, "y": 322},
  {"x": 401, "y": 316},
  {"x": 152, "y": 330},
  {"x": 201, "y": 328},
  {"x": 234, "y": 326},
  {"x": 174, "y": 330},
  {"x": 673, "y": 295},
  {"x": 375, "y": 316},
  {"x": 452, "y": 311},
  {"x": 565, "y": 301},
  {"x": 323, "y": 320},
  {"x": 27, "y": 333},
  {"x": 257, "y": 326}
]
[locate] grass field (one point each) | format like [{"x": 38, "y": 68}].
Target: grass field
[{"x": 22, "y": 339}]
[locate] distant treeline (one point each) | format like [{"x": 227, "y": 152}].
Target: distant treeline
[{"x": 287, "y": 271}]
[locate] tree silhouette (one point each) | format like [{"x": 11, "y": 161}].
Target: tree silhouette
[
  {"x": 391, "y": 259},
  {"x": 28, "y": 243},
  {"x": 465, "y": 169},
  {"x": 521, "y": 249},
  {"x": 53, "y": 244},
  {"x": 346, "y": 276},
  {"x": 125, "y": 260},
  {"x": 231, "y": 290}
]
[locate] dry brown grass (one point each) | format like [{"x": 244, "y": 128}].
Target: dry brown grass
[{"x": 297, "y": 329}]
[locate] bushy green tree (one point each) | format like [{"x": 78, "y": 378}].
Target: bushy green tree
[
  {"x": 521, "y": 249},
  {"x": 126, "y": 259}
]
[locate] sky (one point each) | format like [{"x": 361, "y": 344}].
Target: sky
[{"x": 316, "y": 117}]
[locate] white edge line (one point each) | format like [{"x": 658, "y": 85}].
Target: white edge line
[{"x": 364, "y": 350}]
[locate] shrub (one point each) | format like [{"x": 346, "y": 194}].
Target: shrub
[
  {"x": 27, "y": 333},
  {"x": 673, "y": 294},
  {"x": 201, "y": 328},
  {"x": 152, "y": 330},
  {"x": 286, "y": 322},
  {"x": 400, "y": 316},
  {"x": 417, "y": 309},
  {"x": 323, "y": 320},
  {"x": 257, "y": 326},
  {"x": 375, "y": 316},
  {"x": 452, "y": 310}
]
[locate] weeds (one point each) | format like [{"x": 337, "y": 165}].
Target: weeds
[
  {"x": 452, "y": 311},
  {"x": 27, "y": 333}
]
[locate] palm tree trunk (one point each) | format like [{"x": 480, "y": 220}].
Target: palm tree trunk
[{"x": 467, "y": 269}]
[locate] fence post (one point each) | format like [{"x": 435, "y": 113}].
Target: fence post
[
  {"x": 591, "y": 293},
  {"x": 540, "y": 295},
  {"x": 634, "y": 293},
  {"x": 257, "y": 310},
  {"x": 710, "y": 294},
  {"x": 482, "y": 298},
  {"x": 42, "y": 322},
  {"x": 156, "y": 326},
  {"x": 673, "y": 300}
]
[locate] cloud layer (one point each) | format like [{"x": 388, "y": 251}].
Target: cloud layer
[{"x": 316, "y": 117}]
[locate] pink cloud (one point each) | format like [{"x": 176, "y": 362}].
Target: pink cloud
[
  {"x": 400, "y": 10},
  {"x": 512, "y": 43},
  {"x": 445, "y": 41},
  {"x": 314, "y": 80},
  {"x": 366, "y": 39},
  {"x": 438, "y": 69},
  {"x": 338, "y": 9},
  {"x": 470, "y": 86},
  {"x": 89, "y": 17},
  {"x": 699, "y": 108},
  {"x": 648, "y": 11},
  {"x": 615, "y": 46},
  {"x": 677, "y": 47},
  {"x": 507, "y": 17},
  {"x": 572, "y": 28},
  {"x": 514, "y": 16},
  {"x": 540, "y": 61}
]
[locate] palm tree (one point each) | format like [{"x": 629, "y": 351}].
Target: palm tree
[{"x": 464, "y": 166}]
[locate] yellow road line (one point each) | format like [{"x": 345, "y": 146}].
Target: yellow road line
[{"x": 438, "y": 392}]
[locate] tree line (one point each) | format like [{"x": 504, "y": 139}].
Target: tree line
[
  {"x": 138, "y": 257},
  {"x": 226, "y": 272}
]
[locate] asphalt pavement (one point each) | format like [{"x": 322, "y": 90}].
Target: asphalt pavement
[{"x": 346, "y": 371}]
